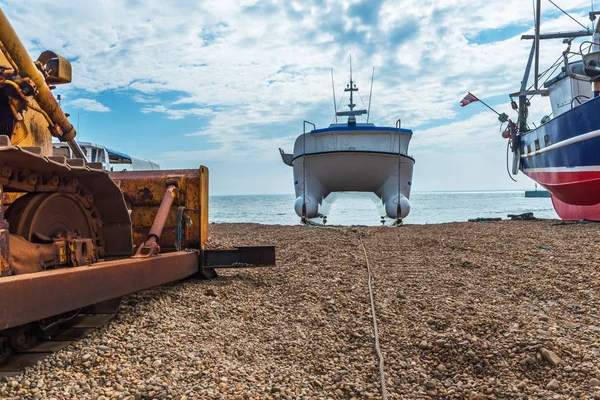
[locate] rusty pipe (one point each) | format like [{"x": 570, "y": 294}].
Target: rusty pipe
[
  {"x": 44, "y": 97},
  {"x": 162, "y": 214}
]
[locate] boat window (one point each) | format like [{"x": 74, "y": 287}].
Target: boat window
[
  {"x": 537, "y": 144},
  {"x": 547, "y": 140},
  {"x": 523, "y": 149},
  {"x": 94, "y": 151},
  {"x": 528, "y": 148}
]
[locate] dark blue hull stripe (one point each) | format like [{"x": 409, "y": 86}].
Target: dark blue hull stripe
[{"x": 581, "y": 120}]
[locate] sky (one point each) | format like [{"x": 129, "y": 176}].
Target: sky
[{"x": 226, "y": 83}]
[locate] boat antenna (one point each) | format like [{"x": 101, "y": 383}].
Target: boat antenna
[
  {"x": 351, "y": 105},
  {"x": 370, "y": 94},
  {"x": 334, "y": 102}
]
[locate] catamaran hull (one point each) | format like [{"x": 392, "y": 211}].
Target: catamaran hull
[
  {"x": 388, "y": 175},
  {"x": 564, "y": 157}
]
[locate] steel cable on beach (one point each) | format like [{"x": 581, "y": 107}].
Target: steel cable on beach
[
  {"x": 384, "y": 392},
  {"x": 383, "y": 386}
]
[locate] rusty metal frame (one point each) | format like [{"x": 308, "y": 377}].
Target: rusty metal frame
[
  {"x": 32, "y": 297},
  {"x": 144, "y": 191},
  {"x": 4, "y": 240}
]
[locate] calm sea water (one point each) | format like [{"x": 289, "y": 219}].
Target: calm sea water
[{"x": 359, "y": 209}]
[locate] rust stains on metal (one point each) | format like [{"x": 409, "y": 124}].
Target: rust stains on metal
[
  {"x": 145, "y": 194},
  {"x": 74, "y": 288},
  {"x": 150, "y": 247},
  {"x": 144, "y": 191},
  {"x": 60, "y": 186},
  {"x": 163, "y": 213},
  {"x": 4, "y": 239}
]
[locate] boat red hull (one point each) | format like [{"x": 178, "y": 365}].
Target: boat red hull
[
  {"x": 570, "y": 212},
  {"x": 575, "y": 195}
]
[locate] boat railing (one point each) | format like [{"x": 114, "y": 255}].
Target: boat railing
[
  {"x": 579, "y": 100},
  {"x": 309, "y": 123},
  {"x": 399, "y": 123}
]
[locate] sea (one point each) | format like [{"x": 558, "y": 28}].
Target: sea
[{"x": 360, "y": 208}]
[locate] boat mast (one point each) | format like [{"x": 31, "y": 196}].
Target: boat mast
[
  {"x": 352, "y": 113},
  {"x": 351, "y": 88},
  {"x": 537, "y": 42},
  {"x": 534, "y": 58}
]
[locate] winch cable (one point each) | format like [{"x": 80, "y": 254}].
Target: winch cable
[
  {"x": 381, "y": 367},
  {"x": 384, "y": 392}
]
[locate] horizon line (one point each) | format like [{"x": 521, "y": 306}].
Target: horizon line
[{"x": 415, "y": 192}]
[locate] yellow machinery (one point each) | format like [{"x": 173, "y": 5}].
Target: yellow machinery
[{"x": 72, "y": 235}]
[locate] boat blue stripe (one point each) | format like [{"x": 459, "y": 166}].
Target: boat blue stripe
[
  {"x": 582, "y": 119},
  {"x": 354, "y": 152}
]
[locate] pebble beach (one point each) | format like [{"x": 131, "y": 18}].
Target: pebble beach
[{"x": 503, "y": 310}]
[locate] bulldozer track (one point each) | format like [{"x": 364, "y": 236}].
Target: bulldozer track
[
  {"x": 29, "y": 180},
  {"x": 76, "y": 329}
]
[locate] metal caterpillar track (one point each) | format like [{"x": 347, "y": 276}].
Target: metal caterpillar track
[
  {"x": 28, "y": 179},
  {"x": 82, "y": 324},
  {"x": 26, "y": 170}
]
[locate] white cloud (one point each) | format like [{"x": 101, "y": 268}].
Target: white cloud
[
  {"x": 255, "y": 69},
  {"x": 178, "y": 113},
  {"x": 89, "y": 105}
]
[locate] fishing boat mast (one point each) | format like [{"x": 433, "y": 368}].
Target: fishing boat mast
[{"x": 524, "y": 92}]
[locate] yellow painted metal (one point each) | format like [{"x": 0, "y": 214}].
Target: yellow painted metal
[
  {"x": 14, "y": 49},
  {"x": 144, "y": 190},
  {"x": 203, "y": 199},
  {"x": 57, "y": 67}
]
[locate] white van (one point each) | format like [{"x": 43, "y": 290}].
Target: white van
[{"x": 111, "y": 160}]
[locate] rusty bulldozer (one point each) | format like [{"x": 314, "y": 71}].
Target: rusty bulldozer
[{"x": 73, "y": 237}]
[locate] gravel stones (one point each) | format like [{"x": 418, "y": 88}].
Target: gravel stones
[
  {"x": 553, "y": 385},
  {"x": 461, "y": 310},
  {"x": 550, "y": 357}
]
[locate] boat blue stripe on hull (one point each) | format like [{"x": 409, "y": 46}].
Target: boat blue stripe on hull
[
  {"x": 354, "y": 152},
  {"x": 579, "y": 121}
]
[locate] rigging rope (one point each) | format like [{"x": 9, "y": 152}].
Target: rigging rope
[
  {"x": 568, "y": 15},
  {"x": 361, "y": 99}
]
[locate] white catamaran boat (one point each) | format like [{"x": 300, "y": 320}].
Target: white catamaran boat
[{"x": 351, "y": 157}]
